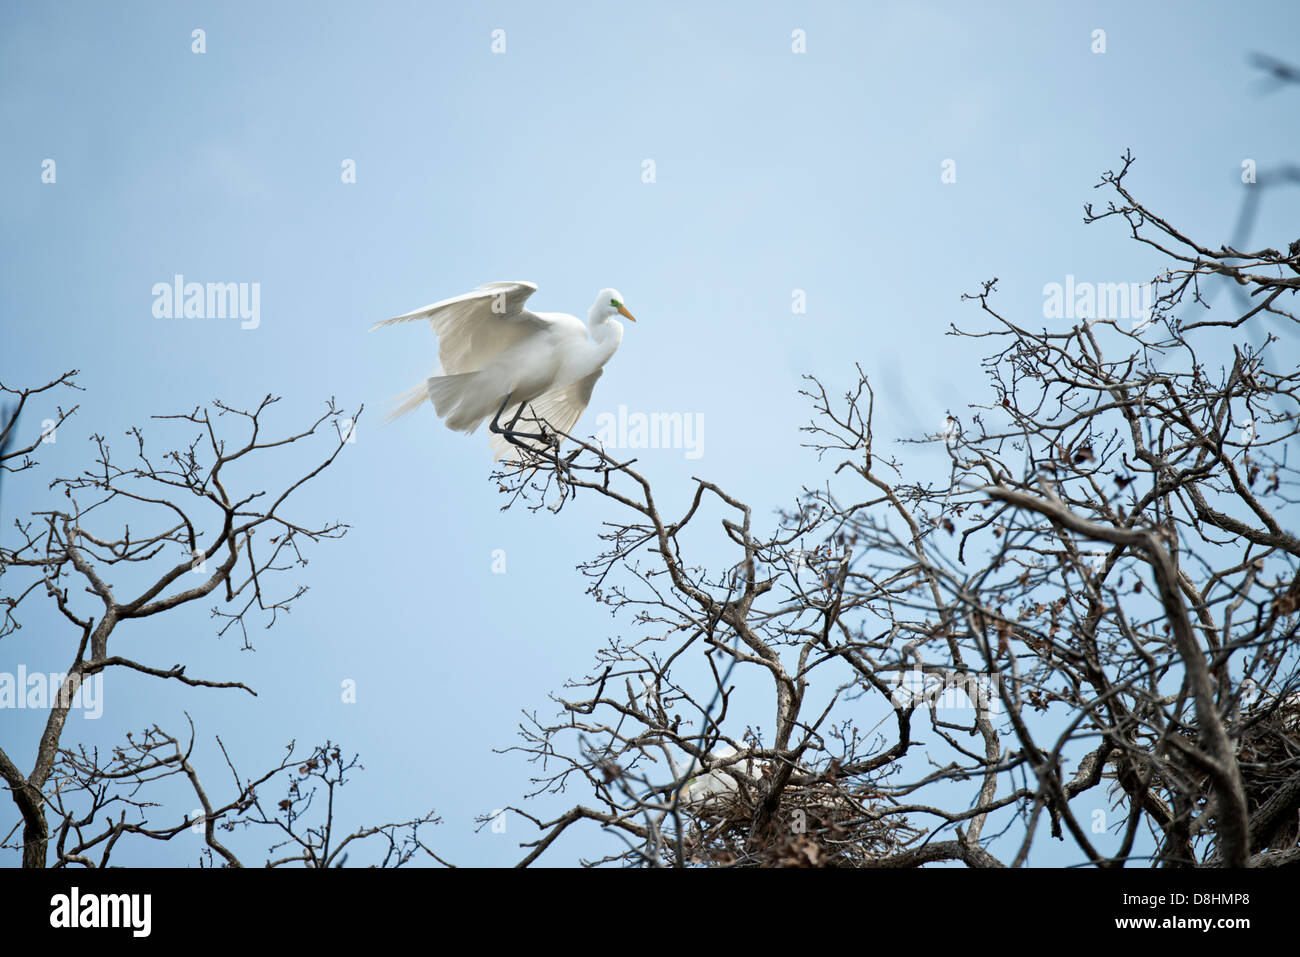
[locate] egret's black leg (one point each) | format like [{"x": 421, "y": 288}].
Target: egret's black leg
[
  {"x": 495, "y": 424},
  {"x": 509, "y": 432}
]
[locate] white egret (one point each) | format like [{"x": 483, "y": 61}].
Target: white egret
[
  {"x": 715, "y": 786},
  {"x": 498, "y": 358}
]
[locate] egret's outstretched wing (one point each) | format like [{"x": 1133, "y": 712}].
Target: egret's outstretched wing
[
  {"x": 560, "y": 409},
  {"x": 476, "y": 327}
]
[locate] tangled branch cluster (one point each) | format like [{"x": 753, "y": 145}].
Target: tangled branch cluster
[{"x": 1084, "y": 624}]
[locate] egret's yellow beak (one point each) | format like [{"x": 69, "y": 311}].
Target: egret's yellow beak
[{"x": 627, "y": 315}]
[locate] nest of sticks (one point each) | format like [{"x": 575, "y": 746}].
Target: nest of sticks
[
  {"x": 1269, "y": 757},
  {"x": 825, "y": 824}
]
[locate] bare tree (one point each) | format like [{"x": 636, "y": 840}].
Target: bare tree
[
  {"x": 170, "y": 528},
  {"x": 98, "y": 801},
  {"x": 1085, "y": 622},
  {"x": 15, "y": 458}
]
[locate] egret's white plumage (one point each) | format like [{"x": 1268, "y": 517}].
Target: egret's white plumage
[
  {"x": 716, "y": 785},
  {"x": 490, "y": 347}
]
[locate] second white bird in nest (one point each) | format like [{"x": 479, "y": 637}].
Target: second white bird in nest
[{"x": 503, "y": 362}]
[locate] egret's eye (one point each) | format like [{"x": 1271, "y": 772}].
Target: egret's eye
[{"x": 615, "y": 303}]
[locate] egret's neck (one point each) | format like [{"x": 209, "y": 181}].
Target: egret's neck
[{"x": 605, "y": 332}]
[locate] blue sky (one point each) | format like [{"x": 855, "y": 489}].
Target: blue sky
[{"x": 774, "y": 171}]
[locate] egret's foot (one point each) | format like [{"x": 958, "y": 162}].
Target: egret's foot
[
  {"x": 514, "y": 437},
  {"x": 508, "y": 431},
  {"x": 550, "y": 441}
]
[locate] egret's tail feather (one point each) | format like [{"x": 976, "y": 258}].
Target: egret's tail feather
[
  {"x": 453, "y": 398},
  {"x": 459, "y": 399},
  {"x": 409, "y": 401}
]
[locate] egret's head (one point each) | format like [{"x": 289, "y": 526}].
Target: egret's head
[{"x": 609, "y": 302}]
